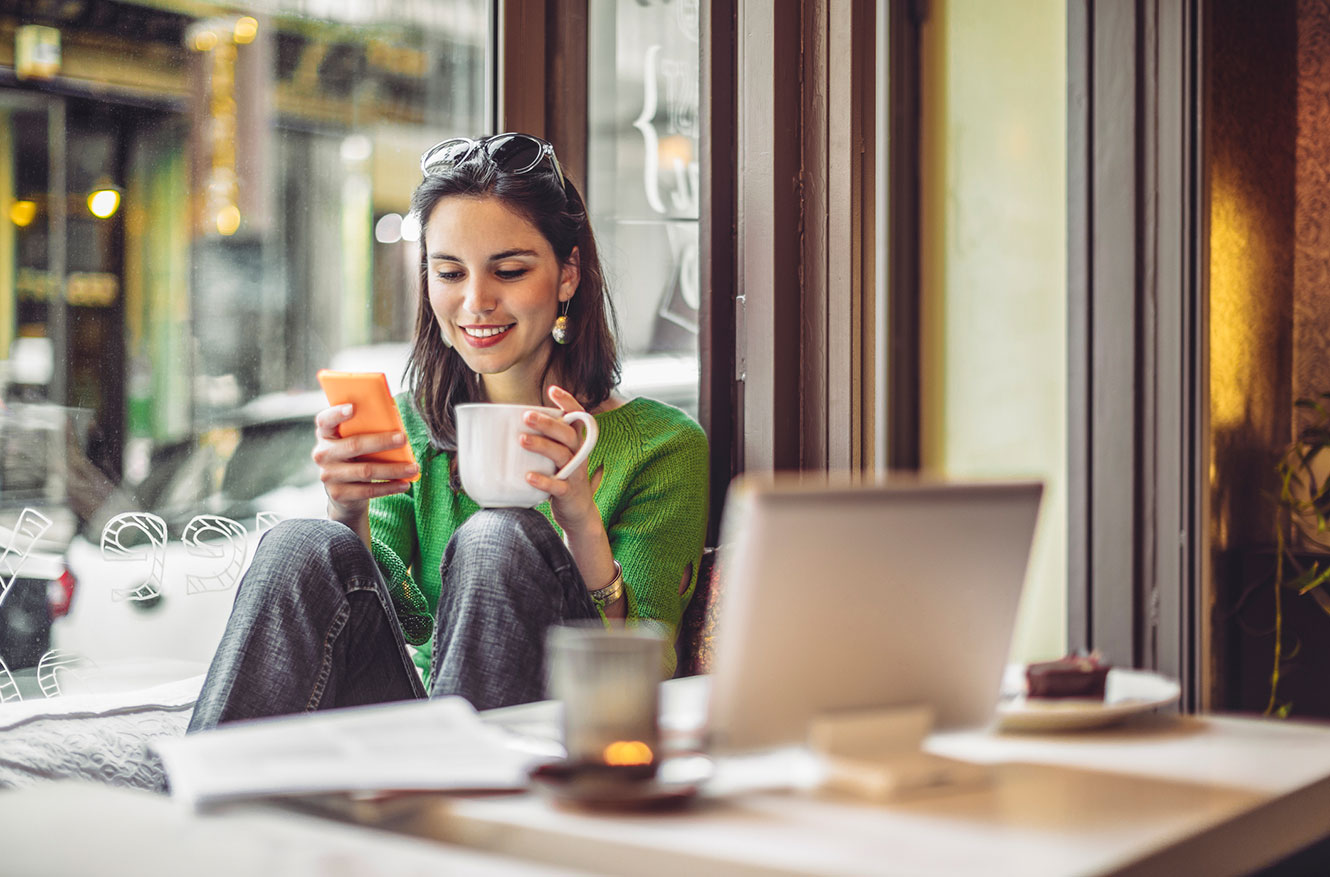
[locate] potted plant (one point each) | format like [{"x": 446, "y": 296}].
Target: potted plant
[{"x": 1302, "y": 527}]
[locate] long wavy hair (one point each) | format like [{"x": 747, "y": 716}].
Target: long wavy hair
[{"x": 587, "y": 365}]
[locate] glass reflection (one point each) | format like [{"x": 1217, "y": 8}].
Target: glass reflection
[
  {"x": 157, "y": 357},
  {"x": 643, "y": 183}
]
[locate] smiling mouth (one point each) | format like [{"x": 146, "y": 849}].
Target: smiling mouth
[{"x": 486, "y": 331}]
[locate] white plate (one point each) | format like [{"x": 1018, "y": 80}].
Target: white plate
[{"x": 1127, "y": 693}]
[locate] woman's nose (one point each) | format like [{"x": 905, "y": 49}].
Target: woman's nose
[{"x": 478, "y": 299}]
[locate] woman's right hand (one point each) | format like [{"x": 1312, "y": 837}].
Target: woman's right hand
[{"x": 351, "y": 484}]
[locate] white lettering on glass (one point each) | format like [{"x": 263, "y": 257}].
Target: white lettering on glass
[
  {"x": 114, "y": 550},
  {"x": 8, "y": 687},
  {"x": 52, "y": 667},
  {"x": 216, "y": 537},
  {"x": 265, "y": 521},
  {"x": 30, "y": 527}
]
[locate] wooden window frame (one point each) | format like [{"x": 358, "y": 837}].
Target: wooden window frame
[
  {"x": 901, "y": 441},
  {"x": 541, "y": 76},
  {"x": 805, "y": 308},
  {"x": 788, "y": 344},
  {"x": 1137, "y": 555}
]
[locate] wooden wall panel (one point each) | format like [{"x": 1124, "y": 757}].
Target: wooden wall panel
[{"x": 1311, "y": 243}]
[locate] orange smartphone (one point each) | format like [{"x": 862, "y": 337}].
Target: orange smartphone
[{"x": 373, "y": 410}]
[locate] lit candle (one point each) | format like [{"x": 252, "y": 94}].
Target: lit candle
[{"x": 609, "y": 682}]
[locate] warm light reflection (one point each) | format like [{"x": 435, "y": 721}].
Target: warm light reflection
[
  {"x": 247, "y": 28},
  {"x": 1236, "y": 285},
  {"x": 674, "y": 148},
  {"x": 22, "y": 213},
  {"x": 410, "y": 228},
  {"x": 623, "y": 753},
  {"x": 103, "y": 203},
  {"x": 205, "y": 41},
  {"x": 228, "y": 219}
]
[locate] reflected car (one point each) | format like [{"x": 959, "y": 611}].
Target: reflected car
[
  {"x": 157, "y": 580},
  {"x": 41, "y": 463},
  {"x": 36, "y": 587}
]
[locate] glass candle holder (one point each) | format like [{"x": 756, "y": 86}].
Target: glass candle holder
[{"x": 608, "y": 681}]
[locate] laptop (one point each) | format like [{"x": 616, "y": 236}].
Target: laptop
[{"x": 846, "y": 597}]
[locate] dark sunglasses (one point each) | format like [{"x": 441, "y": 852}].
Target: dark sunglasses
[{"x": 511, "y": 152}]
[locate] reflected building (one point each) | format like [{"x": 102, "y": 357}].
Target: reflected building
[{"x": 251, "y": 156}]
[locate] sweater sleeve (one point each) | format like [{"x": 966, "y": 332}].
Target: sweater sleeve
[
  {"x": 392, "y": 539},
  {"x": 395, "y": 545},
  {"x": 659, "y": 535}
]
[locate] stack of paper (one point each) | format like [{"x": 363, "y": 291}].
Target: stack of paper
[{"x": 439, "y": 745}]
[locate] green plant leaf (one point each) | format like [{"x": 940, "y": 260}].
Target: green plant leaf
[{"x": 1304, "y": 580}]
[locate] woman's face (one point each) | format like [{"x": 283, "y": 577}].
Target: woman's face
[{"x": 495, "y": 287}]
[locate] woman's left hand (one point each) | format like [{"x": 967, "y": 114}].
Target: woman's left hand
[{"x": 572, "y": 500}]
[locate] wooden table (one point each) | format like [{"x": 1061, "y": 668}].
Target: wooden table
[
  {"x": 1160, "y": 795},
  {"x": 76, "y": 829}
]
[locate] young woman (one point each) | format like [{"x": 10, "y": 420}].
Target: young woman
[{"x": 410, "y": 590}]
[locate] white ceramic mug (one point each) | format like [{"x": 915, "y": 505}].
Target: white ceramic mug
[{"x": 492, "y": 463}]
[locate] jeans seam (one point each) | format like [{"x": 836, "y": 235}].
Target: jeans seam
[
  {"x": 374, "y": 585},
  {"x": 363, "y": 583},
  {"x": 325, "y": 666}
]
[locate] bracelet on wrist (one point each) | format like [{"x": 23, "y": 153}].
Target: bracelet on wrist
[{"x": 603, "y": 597}]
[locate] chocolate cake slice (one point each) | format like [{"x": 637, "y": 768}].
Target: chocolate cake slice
[{"x": 1081, "y": 676}]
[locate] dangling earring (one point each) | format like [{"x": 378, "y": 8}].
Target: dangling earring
[{"x": 560, "y": 331}]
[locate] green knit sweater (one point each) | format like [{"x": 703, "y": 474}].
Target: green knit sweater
[{"x": 652, "y": 498}]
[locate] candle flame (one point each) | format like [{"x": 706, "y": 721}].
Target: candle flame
[{"x": 627, "y": 752}]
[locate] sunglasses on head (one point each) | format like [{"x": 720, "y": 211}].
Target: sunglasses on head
[{"x": 511, "y": 152}]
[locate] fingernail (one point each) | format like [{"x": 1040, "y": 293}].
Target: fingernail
[
  {"x": 346, "y": 409},
  {"x": 399, "y": 437}
]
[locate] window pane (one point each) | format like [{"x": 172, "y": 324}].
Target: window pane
[
  {"x": 642, "y": 185},
  {"x": 200, "y": 212},
  {"x": 994, "y": 274}
]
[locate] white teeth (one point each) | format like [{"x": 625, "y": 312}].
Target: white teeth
[{"x": 484, "y": 333}]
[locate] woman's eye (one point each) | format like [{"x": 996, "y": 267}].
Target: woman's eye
[
  {"x": 449, "y": 276},
  {"x": 510, "y": 274}
]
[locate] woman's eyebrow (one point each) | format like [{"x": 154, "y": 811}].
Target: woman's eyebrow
[
  {"x": 497, "y": 257},
  {"x": 509, "y": 254}
]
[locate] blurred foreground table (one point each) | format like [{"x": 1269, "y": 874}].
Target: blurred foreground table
[
  {"x": 77, "y": 829},
  {"x": 1160, "y": 795}
]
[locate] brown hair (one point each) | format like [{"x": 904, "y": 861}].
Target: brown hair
[{"x": 588, "y": 364}]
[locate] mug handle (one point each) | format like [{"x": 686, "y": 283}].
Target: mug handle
[{"x": 589, "y": 442}]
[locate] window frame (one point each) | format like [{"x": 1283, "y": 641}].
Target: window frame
[{"x": 1138, "y": 562}]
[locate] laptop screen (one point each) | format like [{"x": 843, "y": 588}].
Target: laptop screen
[{"x": 844, "y": 597}]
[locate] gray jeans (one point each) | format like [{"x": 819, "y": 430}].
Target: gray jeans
[{"x": 313, "y": 626}]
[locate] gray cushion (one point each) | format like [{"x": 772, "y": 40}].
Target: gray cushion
[{"x": 99, "y": 737}]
